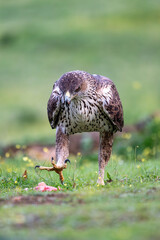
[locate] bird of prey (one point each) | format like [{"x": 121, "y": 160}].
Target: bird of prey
[{"x": 83, "y": 102}]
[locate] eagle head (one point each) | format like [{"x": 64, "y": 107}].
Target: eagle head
[{"x": 74, "y": 85}]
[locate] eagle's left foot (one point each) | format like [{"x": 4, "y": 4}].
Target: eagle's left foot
[
  {"x": 57, "y": 169},
  {"x": 100, "y": 181}
]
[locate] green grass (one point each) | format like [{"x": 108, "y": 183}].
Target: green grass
[
  {"x": 40, "y": 40},
  {"x": 126, "y": 208}
]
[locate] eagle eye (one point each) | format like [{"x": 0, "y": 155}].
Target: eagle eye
[{"x": 78, "y": 89}]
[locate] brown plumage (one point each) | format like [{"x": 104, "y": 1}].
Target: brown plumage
[{"x": 82, "y": 102}]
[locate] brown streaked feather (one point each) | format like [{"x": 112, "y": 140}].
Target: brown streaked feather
[
  {"x": 113, "y": 107},
  {"x": 53, "y": 108}
]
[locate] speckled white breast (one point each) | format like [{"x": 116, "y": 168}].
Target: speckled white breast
[{"x": 83, "y": 116}]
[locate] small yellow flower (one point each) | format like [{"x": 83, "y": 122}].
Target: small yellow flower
[
  {"x": 130, "y": 185},
  {"x": 25, "y": 159},
  {"x": 45, "y": 149},
  {"x": 30, "y": 164},
  {"x": 99, "y": 177},
  {"x": 78, "y": 154},
  {"x": 143, "y": 160},
  {"x": 136, "y": 85},
  {"x": 96, "y": 172},
  {"x": 138, "y": 166},
  {"x": 97, "y": 185},
  {"x": 65, "y": 184},
  {"x": 114, "y": 157},
  {"x": 126, "y": 135},
  {"x": 7, "y": 154},
  {"x": 146, "y": 151},
  {"x": 15, "y": 182},
  {"x": 18, "y": 146}
]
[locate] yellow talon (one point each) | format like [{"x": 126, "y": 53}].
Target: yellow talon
[{"x": 57, "y": 169}]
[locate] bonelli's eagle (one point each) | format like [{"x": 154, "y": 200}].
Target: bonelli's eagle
[{"x": 83, "y": 102}]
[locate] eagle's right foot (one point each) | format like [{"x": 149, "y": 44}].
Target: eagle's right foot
[{"x": 57, "y": 169}]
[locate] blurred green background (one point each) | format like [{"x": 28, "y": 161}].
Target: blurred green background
[{"x": 40, "y": 40}]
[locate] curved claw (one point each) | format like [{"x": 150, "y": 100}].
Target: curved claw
[
  {"x": 67, "y": 160},
  {"x": 37, "y": 166},
  {"x": 57, "y": 169},
  {"x": 62, "y": 182}
]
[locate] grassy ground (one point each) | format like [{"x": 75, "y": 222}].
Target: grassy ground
[
  {"x": 40, "y": 40},
  {"x": 126, "y": 208}
]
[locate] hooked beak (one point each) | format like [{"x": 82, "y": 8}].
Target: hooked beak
[{"x": 68, "y": 97}]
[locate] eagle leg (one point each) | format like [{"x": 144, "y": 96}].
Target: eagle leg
[
  {"x": 62, "y": 146},
  {"x": 105, "y": 149},
  {"x": 62, "y": 152}
]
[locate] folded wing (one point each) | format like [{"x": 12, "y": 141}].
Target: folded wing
[
  {"x": 54, "y": 106},
  {"x": 111, "y": 102}
]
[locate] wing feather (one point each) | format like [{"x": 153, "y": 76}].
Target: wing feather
[
  {"x": 112, "y": 105},
  {"x": 54, "y": 106}
]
